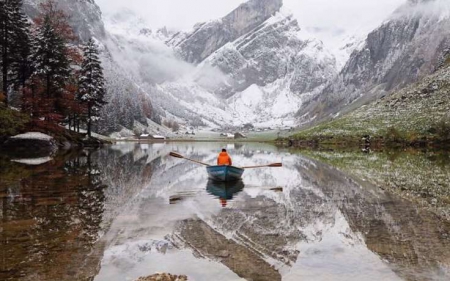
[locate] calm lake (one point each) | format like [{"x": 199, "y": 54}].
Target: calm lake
[{"x": 130, "y": 210}]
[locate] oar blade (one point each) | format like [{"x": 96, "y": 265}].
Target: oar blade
[
  {"x": 176, "y": 155},
  {"x": 274, "y": 165}
]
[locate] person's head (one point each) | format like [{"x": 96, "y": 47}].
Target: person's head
[
  {"x": 224, "y": 150},
  {"x": 223, "y": 202}
]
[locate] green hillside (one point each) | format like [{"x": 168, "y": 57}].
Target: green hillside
[{"x": 418, "y": 113}]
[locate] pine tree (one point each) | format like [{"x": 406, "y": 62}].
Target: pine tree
[
  {"x": 22, "y": 47},
  {"x": 51, "y": 65},
  {"x": 92, "y": 84},
  {"x": 14, "y": 44}
]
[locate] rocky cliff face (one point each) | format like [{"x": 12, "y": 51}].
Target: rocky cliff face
[
  {"x": 209, "y": 37},
  {"x": 85, "y": 16},
  {"x": 403, "y": 50},
  {"x": 271, "y": 52}
]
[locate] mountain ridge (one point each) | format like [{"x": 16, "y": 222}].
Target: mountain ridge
[
  {"x": 403, "y": 50},
  {"x": 206, "y": 38}
]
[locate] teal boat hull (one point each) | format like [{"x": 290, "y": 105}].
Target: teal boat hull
[
  {"x": 224, "y": 190},
  {"x": 225, "y": 173}
]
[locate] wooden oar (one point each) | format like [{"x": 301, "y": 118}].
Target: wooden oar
[
  {"x": 176, "y": 155},
  {"x": 274, "y": 165}
]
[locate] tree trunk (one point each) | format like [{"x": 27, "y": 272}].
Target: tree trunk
[
  {"x": 48, "y": 86},
  {"x": 89, "y": 165},
  {"x": 89, "y": 123},
  {"x": 33, "y": 99},
  {"x": 5, "y": 61}
]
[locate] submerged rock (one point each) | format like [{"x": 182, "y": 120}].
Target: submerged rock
[{"x": 163, "y": 277}]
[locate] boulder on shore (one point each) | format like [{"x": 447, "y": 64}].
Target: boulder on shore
[
  {"x": 30, "y": 145},
  {"x": 239, "y": 136}
]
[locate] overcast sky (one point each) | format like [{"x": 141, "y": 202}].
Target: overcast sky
[{"x": 328, "y": 17}]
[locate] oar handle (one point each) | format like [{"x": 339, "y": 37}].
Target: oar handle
[
  {"x": 176, "y": 155},
  {"x": 198, "y": 162}
]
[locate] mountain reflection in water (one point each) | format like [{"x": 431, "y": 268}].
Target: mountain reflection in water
[{"x": 130, "y": 210}]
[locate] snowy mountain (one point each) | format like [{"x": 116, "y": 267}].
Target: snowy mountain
[
  {"x": 249, "y": 67},
  {"x": 406, "y": 48},
  {"x": 255, "y": 65}
]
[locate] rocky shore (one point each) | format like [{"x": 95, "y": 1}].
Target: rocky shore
[{"x": 36, "y": 144}]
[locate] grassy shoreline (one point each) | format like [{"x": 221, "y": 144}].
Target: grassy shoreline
[{"x": 416, "y": 116}]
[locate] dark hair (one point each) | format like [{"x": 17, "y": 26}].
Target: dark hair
[{"x": 224, "y": 150}]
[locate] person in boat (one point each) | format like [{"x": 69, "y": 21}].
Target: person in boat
[{"x": 224, "y": 159}]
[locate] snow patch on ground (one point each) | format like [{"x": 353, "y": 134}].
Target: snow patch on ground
[{"x": 33, "y": 136}]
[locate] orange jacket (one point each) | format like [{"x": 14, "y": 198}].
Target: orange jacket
[{"x": 224, "y": 159}]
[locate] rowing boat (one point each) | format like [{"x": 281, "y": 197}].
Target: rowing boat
[{"x": 224, "y": 173}]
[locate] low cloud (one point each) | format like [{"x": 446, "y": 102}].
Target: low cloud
[
  {"x": 174, "y": 14},
  {"x": 151, "y": 61},
  {"x": 343, "y": 15},
  {"x": 429, "y": 7}
]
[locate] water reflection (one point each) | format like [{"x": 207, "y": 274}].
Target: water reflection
[
  {"x": 225, "y": 191},
  {"x": 50, "y": 219},
  {"x": 131, "y": 210},
  {"x": 306, "y": 221}
]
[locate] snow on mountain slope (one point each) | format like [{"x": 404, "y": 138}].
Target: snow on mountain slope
[
  {"x": 270, "y": 52},
  {"x": 270, "y": 106},
  {"x": 268, "y": 72},
  {"x": 264, "y": 56},
  {"x": 340, "y": 47},
  {"x": 406, "y": 48}
]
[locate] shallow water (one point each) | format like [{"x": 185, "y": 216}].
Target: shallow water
[{"x": 130, "y": 210}]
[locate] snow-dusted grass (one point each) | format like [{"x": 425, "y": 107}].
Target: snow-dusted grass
[
  {"x": 95, "y": 135},
  {"x": 413, "y": 112}
]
